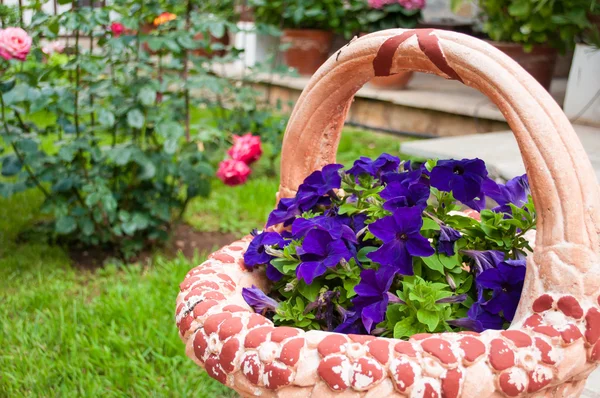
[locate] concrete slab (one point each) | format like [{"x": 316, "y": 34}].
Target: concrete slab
[
  {"x": 498, "y": 150},
  {"x": 423, "y": 92}
]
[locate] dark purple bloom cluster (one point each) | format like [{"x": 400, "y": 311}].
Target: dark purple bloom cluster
[
  {"x": 401, "y": 237},
  {"x": 464, "y": 178},
  {"x": 378, "y": 240},
  {"x": 499, "y": 285},
  {"x": 514, "y": 192},
  {"x": 383, "y": 164},
  {"x": 371, "y": 301}
]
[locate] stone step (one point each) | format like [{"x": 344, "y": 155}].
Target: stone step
[{"x": 499, "y": 150}]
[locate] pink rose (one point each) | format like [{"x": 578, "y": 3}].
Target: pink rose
[
  {"x": 117, "y": 29},
  {"x": 377, "y": 3},
  {"x": 15, "y": 43},
  {"x": 246, "y": 148},
  {"x": 408, "y": 4},
  {"x": 412, "y": 4},
  {"x": 233, "y": 172}
]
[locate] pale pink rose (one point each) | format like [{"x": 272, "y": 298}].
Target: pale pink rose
[
  {"x": 233, "y": 172},
  {"x": 15, "y": 43},
  {"x": 246, "y": 148},
  {"x": 53, "y": 47}
]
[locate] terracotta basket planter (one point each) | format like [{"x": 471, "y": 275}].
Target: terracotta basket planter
[{"x": 552, "y": 344}]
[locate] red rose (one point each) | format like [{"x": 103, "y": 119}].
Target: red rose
[
  {"x": 246, "y": 148},
  {"x": 117, "y": 29},
  {"x": 233, "y": 172}
]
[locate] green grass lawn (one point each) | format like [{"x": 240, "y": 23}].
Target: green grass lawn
[{"x": 111, "y": 333}]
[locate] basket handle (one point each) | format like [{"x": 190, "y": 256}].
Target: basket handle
[{"x": 564, "y": 186}]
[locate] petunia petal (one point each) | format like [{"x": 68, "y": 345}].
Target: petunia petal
[
  {"x": 394, "y": 254},
  {"x": 417, "y": 245},
  {"x": 308, "y": 271}
]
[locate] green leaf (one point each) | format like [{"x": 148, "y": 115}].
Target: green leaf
[
  {"x": 170, "y": 146},
  {"x": 362, "y": 253},
  {"x": 434, "y": 263},
  {"x": 284, "y": 265},
  {"x": 201, "y": 187},
  {"x": 311, "y": 292},
  {"x": 135, "y": 119},
  {"x": 348, "y": 208},
  {"x": 27, "y": 145},
  {"x": 430, "y": 225},
  {"x": 11, "y": 165},
  {"x": 63, "y": 185},
  {"x": 406, "y": 328},
  {"x": 429, "y": 318},
  {"x": 140, "y": 220},
  {"x": 106, "y": 118},
  {"x": 65, "y": 225},
  {"x": 7, "y": 85},
  {"x": 147, "y": 96}
]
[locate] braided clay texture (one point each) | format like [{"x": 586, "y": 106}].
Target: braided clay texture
[{"x": 553, "y": 343}]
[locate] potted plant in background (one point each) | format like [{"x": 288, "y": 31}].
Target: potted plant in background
[
  {"x": 376, "y": 15},
  {"x": 307, "y": 28},
  {"x": 582, "y": 99},
  {"x": 532, "y": 33}
]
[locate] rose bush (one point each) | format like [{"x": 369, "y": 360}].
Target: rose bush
[
  {"x": 394, "y": 249},
  {"x": 106, "y": 132}
]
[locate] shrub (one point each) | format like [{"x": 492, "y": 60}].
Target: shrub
[{"x": 106, "y": 131}]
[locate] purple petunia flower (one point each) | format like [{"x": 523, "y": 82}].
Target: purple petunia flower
[
  {"x": 401, "y": 238},
  {"x": 407, "y": 178},
  {"x": 515, "y": 191},
  {"x": 399, "y": 195},
  {"x": 351, "y": 322},
  {"x": 336, "y": 228},
  {"x": 485, "y": 259},
  {"x": 356, "y": 222},
  {"x": 372, "y": 295},
  {"x": 256, "y": 254},
  {"x": 385, "y": 163},
  {"x": 478, "y": 319},
  {"x": 273, "y": 273},
  {"x": 448, "y": 236},
  {"x": 506, "y": 281},
  {"x": 318, "y": 252},
  {"x": 287, "y": 210},
  {"x": 318, "y": 184},
  {"x": 464, "y": 178},
  {"x": 258, "y": 300}
]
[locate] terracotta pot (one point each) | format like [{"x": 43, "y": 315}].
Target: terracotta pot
[
  {"x": 397, "y": 81},
  {"x": 308, "y": 49},
  {"x": 213, "y": 40},
  {"x": 553, "y": 343},
  {"x": 540, "y": 62}
]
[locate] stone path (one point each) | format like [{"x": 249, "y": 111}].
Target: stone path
[{"x": 498, "y": 150}]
